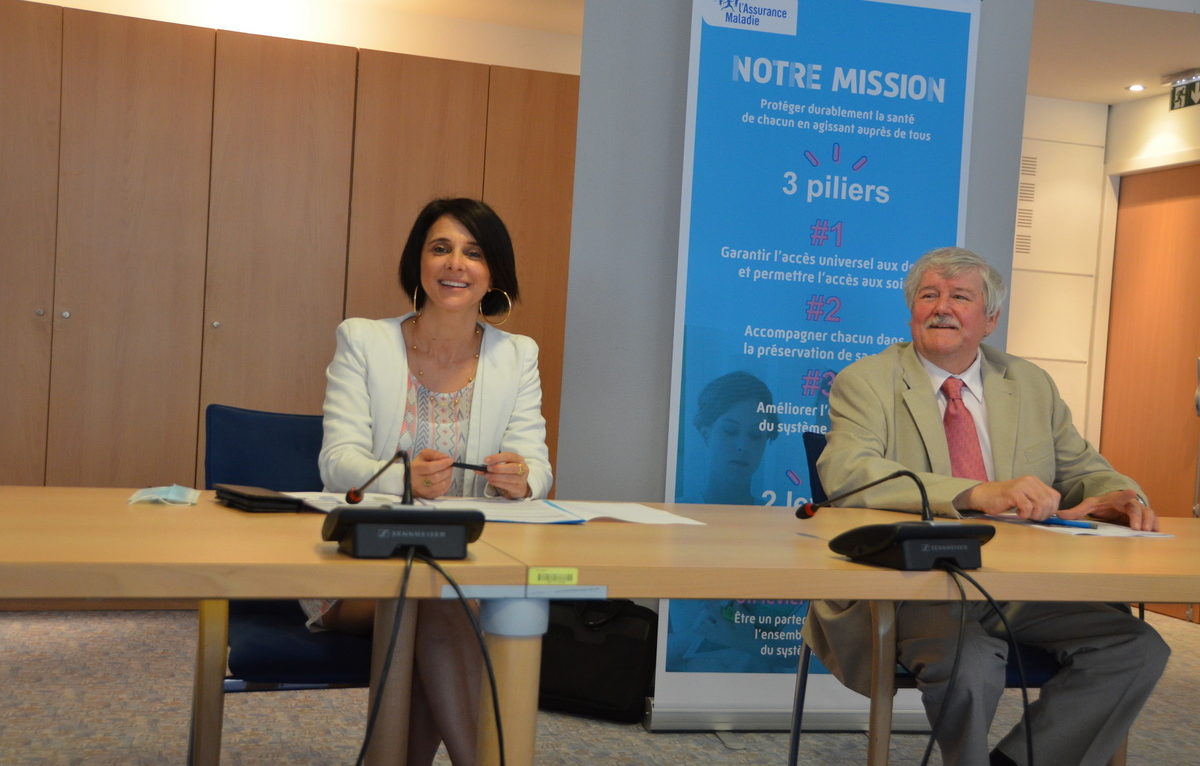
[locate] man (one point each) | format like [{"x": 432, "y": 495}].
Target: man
[{"x": 1019, "y": 452}]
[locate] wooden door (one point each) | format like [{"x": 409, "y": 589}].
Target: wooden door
[
  {"x": 30, "y": 77},
  {"x": 133, "y": 195},
  {"x": 419, "y": 131},
  {"x": 1151, "y": 428},
  {"x": 282, "y": 131},
  {"x": 529, "y": 176}
]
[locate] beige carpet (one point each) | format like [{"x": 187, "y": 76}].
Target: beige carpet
[{"x": 114, "y": 688}]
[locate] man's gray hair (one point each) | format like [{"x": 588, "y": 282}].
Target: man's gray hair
[{"x": 950, "y": 262}]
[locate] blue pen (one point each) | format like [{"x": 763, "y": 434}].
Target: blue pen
[{"x": 1057, "y": 522}]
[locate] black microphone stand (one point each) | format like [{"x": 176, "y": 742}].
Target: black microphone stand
[
  {"x": 355, "y": 495},
  {"x": 808, "y": 510}
]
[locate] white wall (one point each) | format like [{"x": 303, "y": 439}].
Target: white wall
[
  {"x": 1145, "y": 135},
  {"x": 1057, "y": 256},
  {"x": 1062, "y": 279},
  {"x": 613, "y": 426},
  {"x": 389, "y": 26}
]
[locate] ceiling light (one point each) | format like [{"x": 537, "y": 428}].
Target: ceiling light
[{"x": 1137, "y": 87}]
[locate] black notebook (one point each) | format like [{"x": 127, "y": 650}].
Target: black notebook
[{"x": 257, "y": 499}]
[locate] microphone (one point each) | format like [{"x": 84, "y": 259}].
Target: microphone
[
  {"x": 384, "y": 531},
  {"x": 808, "y": 510},
  {"x": 355, "y": 495},
  {"x": 907, "y": 545}
]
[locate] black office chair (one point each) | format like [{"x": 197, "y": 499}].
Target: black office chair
[
  {"x": 270, "y": 648},
  {"x": 1039, "y": 665}
]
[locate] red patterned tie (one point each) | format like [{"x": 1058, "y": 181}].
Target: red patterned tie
[{"x": 966, "y": 459}]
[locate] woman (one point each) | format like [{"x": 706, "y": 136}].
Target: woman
[
  {"x": 729, "y": 420},
  {"x": 446, "y": 387}
]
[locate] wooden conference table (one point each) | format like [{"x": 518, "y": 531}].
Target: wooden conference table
[
  {"x": 89, "y": 543},
  {"x": 72, "y": 543},
  {"x": 766, "y": 552}
]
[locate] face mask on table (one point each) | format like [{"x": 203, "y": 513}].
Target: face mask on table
[{"x": 172, "y": 495}]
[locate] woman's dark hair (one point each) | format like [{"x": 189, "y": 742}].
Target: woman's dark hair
[
  {"x": 722, "y": 393},
  {"x": 490, "y": 234}
]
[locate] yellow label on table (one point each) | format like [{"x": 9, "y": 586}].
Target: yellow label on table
[{"x": 553, "y": 576}]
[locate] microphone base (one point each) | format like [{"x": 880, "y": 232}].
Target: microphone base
[
  {"x": 914, "y": 545},
  {"x": 918, "y": 555},
  {"x": 383, "y": 541},
  {"x": 368, "y": 533}
]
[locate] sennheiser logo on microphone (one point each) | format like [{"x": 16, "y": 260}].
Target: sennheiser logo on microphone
[
  {"x": 943, "y": 547},
  {"x": 391, "y": 532}
]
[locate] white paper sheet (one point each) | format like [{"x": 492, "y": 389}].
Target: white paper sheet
[
  {"x": 1102, "y": 528},
  {"x": 515, "y": 511}
]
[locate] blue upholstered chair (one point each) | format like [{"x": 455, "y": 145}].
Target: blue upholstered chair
[
  {"x": 814, "y": 445},
  {"x": 1040, "y": 666},
  {"x": 274, "y": 450},
  {"x": 270, "y": 649}
]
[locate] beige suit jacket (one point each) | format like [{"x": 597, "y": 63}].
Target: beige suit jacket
[{"x": 884, "y": 416}]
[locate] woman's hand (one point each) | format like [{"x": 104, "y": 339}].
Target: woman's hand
[
  {"x": 431, "y": 473},
  {"x": 509, "y": 474}
]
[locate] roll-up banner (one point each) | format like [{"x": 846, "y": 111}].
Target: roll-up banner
[{"x": 825, "y": 150}]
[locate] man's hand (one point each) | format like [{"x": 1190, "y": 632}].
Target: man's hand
[
  {"x": 1120, "y": 506},
  {"x": 1029, "y": 496}
]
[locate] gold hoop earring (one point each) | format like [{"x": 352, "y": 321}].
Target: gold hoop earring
[
  {"x": 416, "y": 291},
  {"x": 507, "y": 314}
]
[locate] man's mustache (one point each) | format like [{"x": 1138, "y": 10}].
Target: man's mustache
[{"x": 942, "y": 323}]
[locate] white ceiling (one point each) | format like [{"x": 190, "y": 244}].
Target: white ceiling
[
  {"x": 563, "y": 16},
  {"x": 1083, "y": 50},
  {"x": 1090, "y": 50}
]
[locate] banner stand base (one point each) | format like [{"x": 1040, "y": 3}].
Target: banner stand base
[{"x": 722, "y": 719}]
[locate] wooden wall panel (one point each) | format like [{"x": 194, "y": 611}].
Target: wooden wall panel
[
  {"x": 282, "y": 131},
  {"x": 528, "y": 179},
  {"x": 420, "y": 127},
  {"x": 205, "y": 245},
  {"x": 1150, "y": 429},
  {"x": 30, "y": 76},
  {"x": 133, "y": 190}
]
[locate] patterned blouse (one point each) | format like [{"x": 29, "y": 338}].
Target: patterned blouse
[{"x": 432, "y": 420}]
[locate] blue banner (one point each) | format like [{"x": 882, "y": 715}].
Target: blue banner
[{"x": 826, "y": 152}]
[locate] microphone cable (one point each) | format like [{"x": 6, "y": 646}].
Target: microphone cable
[
  {"x": 955, "y": 572},
  {"x": 962, "y": 631},
  {"x": 373, "y": 714},
  {"x": 387, "y": 658},
  {"x": 487, "y": 658}
]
